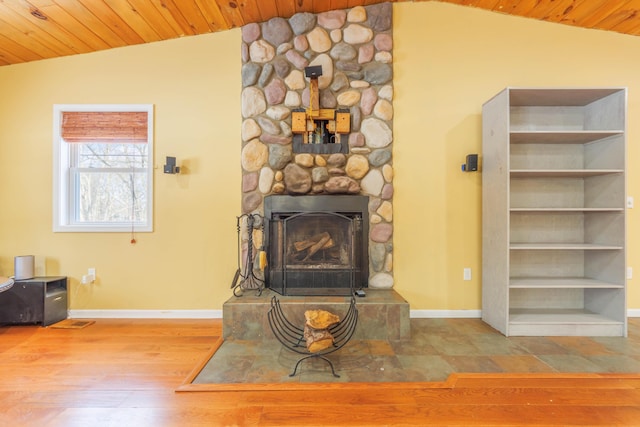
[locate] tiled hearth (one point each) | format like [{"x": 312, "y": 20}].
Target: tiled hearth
[
  {"x": 382, "y": 314},
  {"x": 436, "y": 349}
]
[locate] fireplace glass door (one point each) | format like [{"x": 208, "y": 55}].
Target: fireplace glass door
[{"x": 314, "y": 253}]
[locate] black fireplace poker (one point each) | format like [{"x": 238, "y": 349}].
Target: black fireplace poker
[{"x": 248, "y": 280}]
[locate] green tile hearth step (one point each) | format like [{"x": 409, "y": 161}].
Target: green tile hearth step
[{"x": 382, "y": 314}]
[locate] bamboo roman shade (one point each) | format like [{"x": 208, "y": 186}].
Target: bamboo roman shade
[{"x": 101, "y": 126}]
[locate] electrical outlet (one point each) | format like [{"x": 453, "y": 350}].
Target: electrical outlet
[
  {"x": 90, "y": 277},
  {"x": 466, "y": 274},
  {"x": 630, "y": 202},
  {"x": 629, "y": 273}
]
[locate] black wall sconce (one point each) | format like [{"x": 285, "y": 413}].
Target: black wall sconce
[
  {"x": 170, "y": 166},
  {"x": 471, "y": 164}
]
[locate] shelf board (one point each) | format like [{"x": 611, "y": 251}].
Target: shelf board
[
  {"x": 570, "y": 210},
  {"x": 563, "y": 246},
  {"x": 560, "y": 137},
  {"x": 560, "y": 283},
  {"x": 561, "y": 173},
  {"x": 557, "y": 97},
  {"x": 557, "y": 316}
]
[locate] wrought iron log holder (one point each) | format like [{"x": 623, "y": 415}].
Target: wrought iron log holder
[
  {"x": 245, "y": 277},
  {"x": 291, "y": 336}
]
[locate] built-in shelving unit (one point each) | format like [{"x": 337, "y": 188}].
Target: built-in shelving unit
[{"x": 554, "y": 227}]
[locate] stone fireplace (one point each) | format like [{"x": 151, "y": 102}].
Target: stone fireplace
[
  {"x": 326, "y": 193},
  {"x": 317, "y": 245},
  {"x": 353, "y": 50}
]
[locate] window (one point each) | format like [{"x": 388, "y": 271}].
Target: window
[{"x": 103, "y": 173}]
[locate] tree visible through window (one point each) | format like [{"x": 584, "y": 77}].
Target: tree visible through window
[{"x": 104, "y": 168}]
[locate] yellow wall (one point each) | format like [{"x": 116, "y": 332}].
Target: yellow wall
[
  {"x": 189, "y": 260},
  {"x": 448, "y": 60}
]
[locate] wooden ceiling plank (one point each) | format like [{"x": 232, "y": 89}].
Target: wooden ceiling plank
[
  {"x": 251, "y": 10},
  {"x": 338, "y": 4},
  {"x": 195, "y": 16},
  {"x": 213, "y": 15},
  {"x": 568, "y": 13},
  {"x": 112, "y": 20},
  {"x": 156, "y": 20},
  {"x": 580, "y": 9},
  {"x": 72, "y": 43},
  {"x": 26, "y": 40},
  {"x": 286, "y": 8},
  {"x": 509, "y": 6},
  {"x": 628, "y": 26},
  {"x": 92, "y": 23},
  {"x": 634, "y": 31},
  {"x": 7, "y": 58},
  {"x": 580, "y": 12},
  {"x": 596, "y": 15},
  {"x": 28, "y": 29},
  {"x": 174, "y": 17},
  {"x": 525, "y": 7},
  {"x": 325, "y": 6},
  {"x": 128, "y": 14},
  {"x": 304, "y": 6},
  {"x": 231, "y": 12},
  {"x": 558, "y": 12},
  {"x": 631, "y": 23},
  {"x": 268, "y": 9},
  {"x": 617, "y": 18},
  {"x": 15, "y": 52},
  {"x": 74, "y": 26},
  {"x": 354, "y": 3},
  {"x": 505, "y": 6},
  {"x": 544, "y": 9}
]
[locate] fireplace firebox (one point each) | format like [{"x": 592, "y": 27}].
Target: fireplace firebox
[{"x": 317, "y": 245}]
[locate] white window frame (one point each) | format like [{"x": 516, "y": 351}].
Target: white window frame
[{"x": 62, "y": 210}]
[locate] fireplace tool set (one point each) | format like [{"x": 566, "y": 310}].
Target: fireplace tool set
[{"x": 245, "y": 277}]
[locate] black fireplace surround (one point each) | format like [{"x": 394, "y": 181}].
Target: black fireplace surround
[{"x": 316, "y": 244}]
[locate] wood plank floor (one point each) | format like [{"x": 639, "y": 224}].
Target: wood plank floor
[{"x": 126, "y": 373}]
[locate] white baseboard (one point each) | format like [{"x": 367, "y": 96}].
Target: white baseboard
[
  {"x": 217, "y": 314},
  {"x": 473, "y": 314},
  {"x": 145, "y": 314}
]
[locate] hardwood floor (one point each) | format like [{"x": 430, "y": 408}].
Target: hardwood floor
[{"x": 126, "y": 373}]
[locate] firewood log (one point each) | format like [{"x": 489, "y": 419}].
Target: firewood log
[
  {"x": 317, "y": 339},
  {"x": 305, "y": 244},
  {"x": 320, "y": 319},
  {"x": 315, "y": 248}
]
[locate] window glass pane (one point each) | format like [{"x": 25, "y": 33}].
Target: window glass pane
[
  {"x": 111, "y": 155},
  {"x": 110, "y": 197}
]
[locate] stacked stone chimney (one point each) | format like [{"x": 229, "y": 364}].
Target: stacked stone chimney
[{"x": 354, "y": 48}]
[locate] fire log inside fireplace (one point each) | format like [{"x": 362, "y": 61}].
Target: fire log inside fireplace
[{"x": 309, "y": 247}]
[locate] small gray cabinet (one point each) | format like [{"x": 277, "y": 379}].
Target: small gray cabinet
[{"x": 41, "y": 300}]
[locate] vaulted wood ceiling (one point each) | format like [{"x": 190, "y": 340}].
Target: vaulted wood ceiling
[{"x": 32, "y": 30}]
